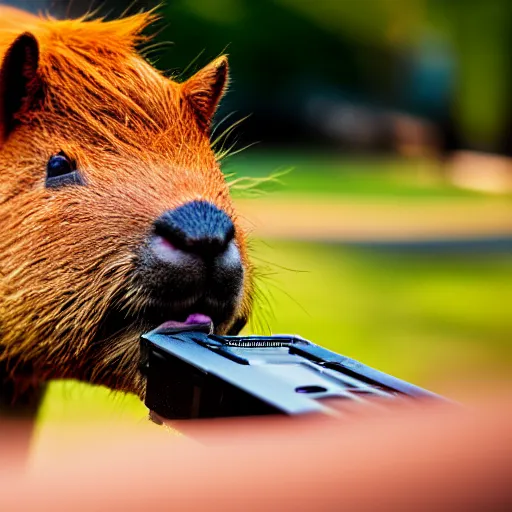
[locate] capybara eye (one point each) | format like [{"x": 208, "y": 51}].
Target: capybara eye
[
  {"x": 58, "y": 165},
  {"x": 61, "y": 170}
]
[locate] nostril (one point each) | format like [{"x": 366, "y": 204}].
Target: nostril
[
  {"x": 171, "y": 234},
  {"x": 198, "y": 227}
]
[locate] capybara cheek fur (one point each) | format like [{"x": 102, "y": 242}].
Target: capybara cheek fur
[{"x": 114, "y": 214}]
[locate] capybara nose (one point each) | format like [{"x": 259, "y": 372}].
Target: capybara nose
[
  {"x": 193, "y": 256},
  {"x": 192, "y": 262},
  {"x": 197, "y": 227}
]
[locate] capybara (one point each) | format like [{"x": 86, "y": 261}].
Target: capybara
[{"x": 115, "y": 216}]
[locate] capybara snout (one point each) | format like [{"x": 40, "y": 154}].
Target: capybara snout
[
  {"x": 114, "y": 214},
  {"x": 191, "y": 263}
]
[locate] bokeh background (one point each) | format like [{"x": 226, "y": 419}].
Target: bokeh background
[{"x": 384, "y": 228}]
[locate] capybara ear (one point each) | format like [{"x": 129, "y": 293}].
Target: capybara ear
[
  {"x": 205, "y": 89},
  {"x": 18, "y": 81}
]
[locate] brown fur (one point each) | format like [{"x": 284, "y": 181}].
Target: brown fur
[{"x": 67, "y": 255}]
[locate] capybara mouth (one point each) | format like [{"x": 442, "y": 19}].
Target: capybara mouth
[
  {"x": 203, "y": 310},
  {"x": 155, "y": 313}
]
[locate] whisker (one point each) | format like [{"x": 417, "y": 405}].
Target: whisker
[
  {"x": 228, "y": 153},
  {"x": 248, "y": 186},
  {"x": 68, "y": 8},
  {"x": 228, "y": 130},
  {"x": 155, "y": 47},
  {"x": 191, "y": 63},
  {"x": 221, "y": 122},
  {"x": 128, "y": 8}
]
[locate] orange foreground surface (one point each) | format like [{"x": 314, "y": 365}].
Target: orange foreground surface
[{"x": 410, "y": 457}]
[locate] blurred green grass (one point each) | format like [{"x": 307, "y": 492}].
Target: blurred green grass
[
  {"x": 333, "y": 174},
  {"x": 428, "y": 317}
]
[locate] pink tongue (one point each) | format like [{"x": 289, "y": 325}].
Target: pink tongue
[
  {"x": 193, "y": 319},
  {"x": 198, "y": 318}
]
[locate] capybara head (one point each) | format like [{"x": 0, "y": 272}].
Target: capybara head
[{"x": 114, "y": 214}]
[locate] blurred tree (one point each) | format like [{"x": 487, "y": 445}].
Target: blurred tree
[{"x": 480, "y": 32}]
